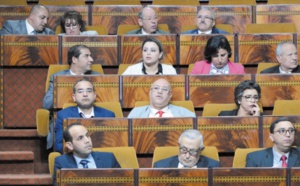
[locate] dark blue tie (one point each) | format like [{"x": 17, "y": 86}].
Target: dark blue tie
[{"x": 84, "y": 163}]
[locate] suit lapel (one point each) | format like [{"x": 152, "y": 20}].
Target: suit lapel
[
  {"x": 22, "y": 27},
  {"x": 174, "y": 163},
  {"x": 72, "y": 162},
  {"x": 268, "y": 161},
  {"x": 98, "y": 161},
  {"x": 74, "y": 112},
  {"x": 293, "y": 160},
  {"x": 202, "y": 162}
]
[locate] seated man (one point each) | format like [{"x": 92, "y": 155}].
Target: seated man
[
  {"x": 160, "y": 95},
  {"x": 189, "y": 156},
  {"x": 287, "y": 56},
  {"x": 79, "y": 142},
  {"x": 35, "y": 24},
  {"x": 282, "y": 154},
  {"x": 148, "y": 22},
  {"x": 206, "y": 23},
  {"x": 84, "y": 95}
]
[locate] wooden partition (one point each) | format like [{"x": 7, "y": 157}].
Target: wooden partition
[
  {"x": 213, "y": 89},
  {"x": 106, "y": 88},
  {"x": 136, "y": 88},
  {"x": 131, "y": 48},
  {"x": 13, "y": 13}
]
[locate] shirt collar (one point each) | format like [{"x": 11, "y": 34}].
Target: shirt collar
[
  {"x": 154, "y": 111},
  {"x": 159, "y": 67},
  {"x": 207, "y": 32},
  {"x": 89, "y": 158},
  {"x": 277, "y": 156},
  {"x": 29, "y": 28},
  {"x": 283, "y": 72},
  {"x": 73, "y": 74},
  {"x": 182, "y": 166},
  {"x": 145, "y": 33},
  {"x": 86, "y": 116}
]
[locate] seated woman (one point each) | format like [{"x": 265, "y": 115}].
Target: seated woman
[
  {"x": 217, "y": 53},
  {"x": 246, "y": 96},
  {"x": 72, "y": 24},
  {"x": 152, "y": 52}
]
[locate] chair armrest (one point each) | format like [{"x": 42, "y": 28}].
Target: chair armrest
[{"x": 42, "y": 122}]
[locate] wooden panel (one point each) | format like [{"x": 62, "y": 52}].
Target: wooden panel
[
  {"x": 284, "y": 13},
  {"x": 236, "y": 15},
  {"x": 113, "y": 16},
  {"x": 103, "y": 48},
  {"x": 229, "y": 133},
  {"x": 106, "y": 88},
  {"x": 278, "y": 86},
  {"x": 192, "y": 48},
  {"x": 256, "y": 48},
  {"x": 213, "y": 89},
  {"x": 295, "y": 176},
  {"x": 149, "y": 133},
  {"x": 136, "y": 88},
  {"x": 174, "y": 177},
  {"x": 28, "y": 50},
  {"x": 13, "y": 13},
  {"x": 131, "y": 48},
  {"x": 95, "y": 177},
  {"x": 249, "y": 177}
]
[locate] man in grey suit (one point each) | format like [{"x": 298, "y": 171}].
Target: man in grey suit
[
  {"x": 282, "y": 154},
  {"x": 160, "y": 95},
  {"x": 35, "y": 24},
  {"x": 148, "y": 23},
  {"x": 206, "y": 23}
]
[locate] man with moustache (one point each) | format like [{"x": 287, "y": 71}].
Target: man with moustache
[
  {"x": 205, "y": 23},
  {"x": 282, "y": 154},
  {"x": 84, "y": 95},
  {"x": 35, "y": 24},
  {"x": 79, "y": 142},
  {"x": 287, "y": 56}
]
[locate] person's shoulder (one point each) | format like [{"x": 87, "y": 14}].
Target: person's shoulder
[
  {"x": 211, "y": 162},
  {"x": 136, "y": 31},
  {"x": 194, "y": 31},
  {"x": 103, "y": 110},
  {"x": 166, "y": 162},
  {"x": 49, "y": 31},
  {"x": 12, "y": 22},
  {"x": 103, "y": 154},
  {"x": 62, "y": 72},
  {"x": 270, "y": 70},
  {"x": 259, "y": 152},
  {"x": 219, "y": 31},
  {"x": 180, "y": 108},
  {"x": 228, "y": 113},
  {"x": 66, "y": 110}
]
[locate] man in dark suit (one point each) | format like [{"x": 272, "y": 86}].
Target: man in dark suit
[
  {"x": 189, "y": 156},
  {"x": 287, "y": 56},
  {"x": 148, "y": 22},
  {"x": 35, "y": 24},
  {"x": 79, "y": 142},
  {"x": 84, "y": 95},
  {"x": 282, "y": 154},
  {"x": 205, "y": 23}
]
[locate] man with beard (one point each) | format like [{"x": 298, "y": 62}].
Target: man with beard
[
  {"x": 84, "y": 95},
  {"x": 35, "y": 24},
  {"x": 79, "y": 142},
  {"x": 206, "y": 23},
  {"x": 282, "y": 154},
  {"x": 189, "y": 155}
]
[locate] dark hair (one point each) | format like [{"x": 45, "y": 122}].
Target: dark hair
[
  {"x": 72, "y": 15},
  {"x": 244, "y": 85},
  {"x": 214, "y": 44},
  {"x": 74, "y": 51},
  {"x": 273, "y": 125},
  {"x": 158, "y": 43},
  {"x": 80, "y": 80},
  {"x": 67, "y": 136}
]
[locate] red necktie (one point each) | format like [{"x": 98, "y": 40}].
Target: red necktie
[
  {"x": 283, "y": 159},
  {"x": 160, "y": 113}
]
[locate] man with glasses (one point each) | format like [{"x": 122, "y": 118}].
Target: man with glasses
[
  {"x": 148, "y": 23},
  {"x": 160, "y": 95},
  {"x": 206, "y": 23},
  {"x": 189, "y": 155},
  {"x": 282, "y": 154},
  {"x": 84, "y": 95}
]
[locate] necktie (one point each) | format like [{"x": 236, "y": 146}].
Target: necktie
[
  {"x": 283, "y": 159},
  {"x": 84, "y": 163},
  {"x": 34, "y": 32},
  {"x": 160, "y": 113}
]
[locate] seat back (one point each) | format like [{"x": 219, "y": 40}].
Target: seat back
[
  {"x": 168, "y": 151},
  {"x": 286, "y": 107},
  {"x": 186, "y": 104},
  {"x": 56, "y": 68},
  {"x": 283, "y": 2},
  {"x": 122, "y": 68},
  {"x": 264, "y": 66},
  {"x": 176, "y": 2},
  {"x": 232, "y": 2},
  {"x": 13, "y": 2},
  {"x": 62, "y": 3},
  {"x": 51, "y": 160},
  {"x": 239, "y": 159},
  {"x": 225, "y": 27},
  {"x": 271, "y": 28},
  {"x": 101, "y": 30},
  {"x": 115, "y": 107},
  {"x": 123, "y": 29},
  {"x": 117, "y": 2},
  {"x": 42, "y": 122},
  {"x": 126, "y": 156},
  {"x": 190, "y": 68}
]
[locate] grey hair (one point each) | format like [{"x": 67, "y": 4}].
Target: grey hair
[
  {"x": 209, "y": 9},
  {"x": 192, "y": 134},
  {"x": 140, "y": 15},
  {"x": 279, "y": 51}
]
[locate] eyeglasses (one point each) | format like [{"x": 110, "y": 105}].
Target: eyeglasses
[
  {"x": 163, "y": 89},
  {"x": 69, "y": 26},
  {"x": 149, "y": 18},
  {"x": 192, "y": 152},
  {"x": 205, "y": 17},
  {"x": 283, "y": 131},
  {"x": 249, "y": 98},
  {"x": 88, "y": 91}
]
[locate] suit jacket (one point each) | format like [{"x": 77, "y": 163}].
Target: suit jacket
[
  {"x": 264, "y": 158},
  {"x": 203, "y": 67},
  {"x": 139, "y": 31},
  {"x": 72, "y": 112},
  {"x": 275, "y": 69},
  {"x": 102, "y": 160},
  {"x": 19, "y": 27},
  {"x": 232, "y": 113},
  {"x": 172, "y": 162},
  {"x": 214, "y": 31},
  {"x": 144, "y": 112}
]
